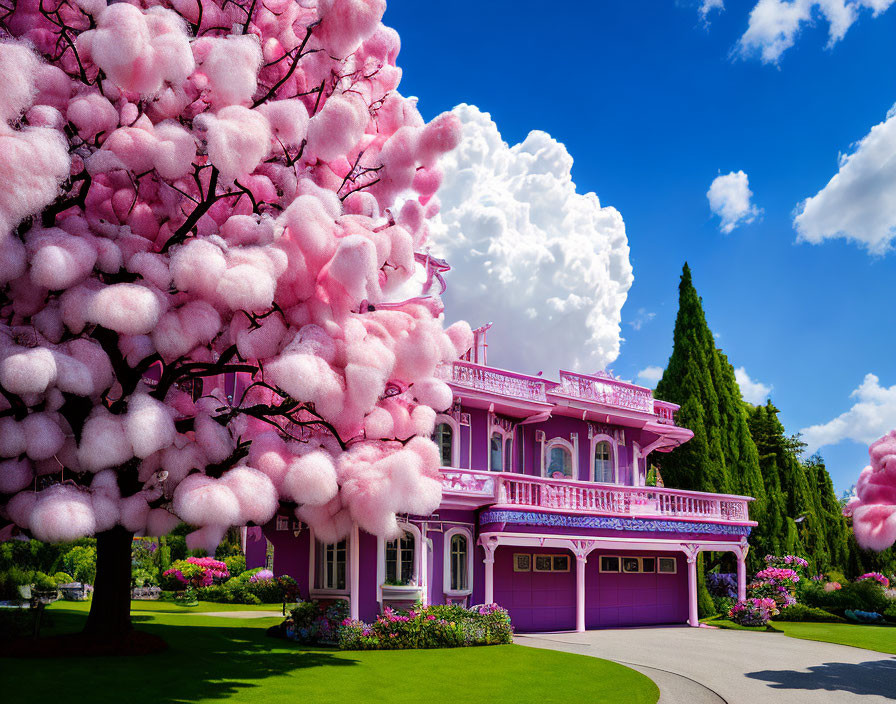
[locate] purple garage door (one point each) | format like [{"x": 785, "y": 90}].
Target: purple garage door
[
  {"x": 540, "y": 590},
  {"x": 635, "y": 599}
]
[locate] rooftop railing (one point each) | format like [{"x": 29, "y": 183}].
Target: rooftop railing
[
  {"x": 496, "y": 381},
  {"x": 606, "y": 391},
  {"x": 522, "y": 491}
]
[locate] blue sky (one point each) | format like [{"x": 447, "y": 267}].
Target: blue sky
[{"x": 653, "y": 105}]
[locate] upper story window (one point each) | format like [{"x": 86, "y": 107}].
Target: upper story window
[
  {"x": 559, "y": 459},
  {"x": 401, "y": 562},
  {"x": 443, "y": 436},
  {"x": 604, "y": 462},
  {"x": 508, "y": 454},
  {"x": 496, "y": 452},
  {"x": 331, "y": 561}
]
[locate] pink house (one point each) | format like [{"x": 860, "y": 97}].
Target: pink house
[{"x": 544, "y": 511}]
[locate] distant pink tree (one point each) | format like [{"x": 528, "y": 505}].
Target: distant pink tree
[
  {"x": 873, "y": 509},
  {"x": 210, "y": 215}
]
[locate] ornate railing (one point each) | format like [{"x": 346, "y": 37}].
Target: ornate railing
[
  {"x": 518, "y": 490},
  {"x": 664, "y": 411},
  {"x": 606, "y": 391},
  {"x": 496, "y": 381}
]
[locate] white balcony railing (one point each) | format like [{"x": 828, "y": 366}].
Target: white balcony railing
[
  {"x": 606, "y": 391},
  {"x": 518, "y": 490},
  {"x": 496, "y": 381}
]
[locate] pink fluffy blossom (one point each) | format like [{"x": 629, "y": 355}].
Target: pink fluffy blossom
[
  {"x": 207, "y": 213},
  {"x": 873, "y": 510}
]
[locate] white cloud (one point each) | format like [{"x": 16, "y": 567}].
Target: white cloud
[
  {"x": 775, "y": 24},
  {"x": 729, "y": 198},
  {"x": 752, "y": 390},
  {"x": 548, "y": 265},
  {"x": 707, "y": 6},
  {"x": 859, "y": 202},
  {"x": 873, "y": 415},
  {"x": 650, "y": 375},
  {"x": 642, "y": 318}
]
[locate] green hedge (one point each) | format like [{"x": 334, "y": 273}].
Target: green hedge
[
  {"x": 801, "y": 612},
  {"x": 866, "y": 595}
]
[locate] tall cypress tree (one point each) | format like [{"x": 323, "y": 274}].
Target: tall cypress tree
[{"x": 722, "y": 456}]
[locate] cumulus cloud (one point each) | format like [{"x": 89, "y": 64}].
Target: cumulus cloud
[
  {"x": 729, "y": 197},
  {"x": 774, "y": 24},
  {"x": 650, "y": 375},
  {"x": 859, "y": 202},
  {"x": 548, "y": 265},
  {"x": 871, "y": 416},
  {"x": 753, "y": 391}
]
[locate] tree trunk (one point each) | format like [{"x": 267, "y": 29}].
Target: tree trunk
[{"x": 110, "y": 610}]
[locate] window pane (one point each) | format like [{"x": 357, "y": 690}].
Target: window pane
[
  {"x": 406, "y": 549},
  {"x": 560, "y": 463},
  {"x": 508, "y": 455},
  {"x": 391, "y": 561},
  {"x": 603, "y": 463},
  {"x": 496, "y": 460},
  {"x": 443, "y": 436},
  {"x": 458, "y": 562}
]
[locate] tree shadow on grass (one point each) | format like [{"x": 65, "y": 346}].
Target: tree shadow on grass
[
  {"x": 202, "y": 663},
  {"x": 872, "y": 677}
]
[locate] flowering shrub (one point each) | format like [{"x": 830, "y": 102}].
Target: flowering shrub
[
  {"x": 197, "y": 571},
  {"x": 832, "y": 586},
  {"x": 754, "y": 612},
  {"x": 256, "y": 586},
  {"x": 261, "y": 575},
  {"x": 315, "y": 623},
  {"x": 722, "y": 584},
  {"x": 437, "y": 626},
  {"x": 876, "y": 576},
  {"x": 791, "y": 561}
]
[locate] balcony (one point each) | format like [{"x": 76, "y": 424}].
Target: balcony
[
  {"x": 470, "y": 488},
  {"x": 494, "y": 381},
  {"x": 607, "y": 391}
]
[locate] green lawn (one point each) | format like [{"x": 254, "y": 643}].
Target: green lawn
[
  {"x": 214, "y": 658},
  {"x": 880, "y": 638}
]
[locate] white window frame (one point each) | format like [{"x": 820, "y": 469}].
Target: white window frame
[
  {"x": 666, "y": 557},
  {"x": 614, "y": 453},
  {"x": 419, "y": 555},
  {"x": 455, "y": 438},
  {"x": 505, "y": 436},
  {"x": 446, "y": 562},
  {"x": 312, "y": 567},
  {"x": 546, "y": 453}
]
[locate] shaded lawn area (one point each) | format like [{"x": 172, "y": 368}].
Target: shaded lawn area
[
  {"x": 216, "y": 658},
  {"x": 880, "y": 638}
]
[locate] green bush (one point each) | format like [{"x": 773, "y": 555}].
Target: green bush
[
  {"x": 43, "y": 582},
  {"x": 890, "y": 613},
  {"x": 62, "y": 578},
  {"x": 801, "y": 612},
  {"x": 236, "y": 564},
  {"x": 705, "y": 605},
  {"x": 80, "y": 563},
  {"x": 222, "y": 594},
  {"x": 866, "y": 595},
  {"x": 723, "y": 604}
]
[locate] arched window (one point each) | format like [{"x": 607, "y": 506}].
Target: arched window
[
  {"x": 401, "y": 562},
  {"x": 496, "y": 452},
  {"x": 443, "y": 436},
  {"x": 458, "y": 563},
  {"x": 604, "y": 462},
  {"x": 508, "y": 453},
  {"x": 559, "y": 461}
]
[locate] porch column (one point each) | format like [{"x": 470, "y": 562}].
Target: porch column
[
  {"x": 489, "y": 572},
  {"x": 742, "y": 572},
  {"x": 693, "y": 617},
  {"x": 354, "y": 572},
  {"x": 581, "y": 561}
]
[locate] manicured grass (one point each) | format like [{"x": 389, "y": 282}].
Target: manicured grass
[
  {"x": 214, "y": 658},
  {"x": 171, "y": 607},
  {"x": 880, "y": 638}
]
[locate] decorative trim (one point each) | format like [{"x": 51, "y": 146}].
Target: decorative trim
[
  {"x": 452, "y": 423},
  {"x": 559, "y": 520},
  {"x": 446, "y": 562}
]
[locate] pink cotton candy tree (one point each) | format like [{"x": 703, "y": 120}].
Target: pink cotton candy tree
[
  {"x": 873, "y": 510},
  {"x": 210, "y": 213}
]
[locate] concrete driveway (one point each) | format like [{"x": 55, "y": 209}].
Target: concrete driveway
[{"x": 706, "y": 665}]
